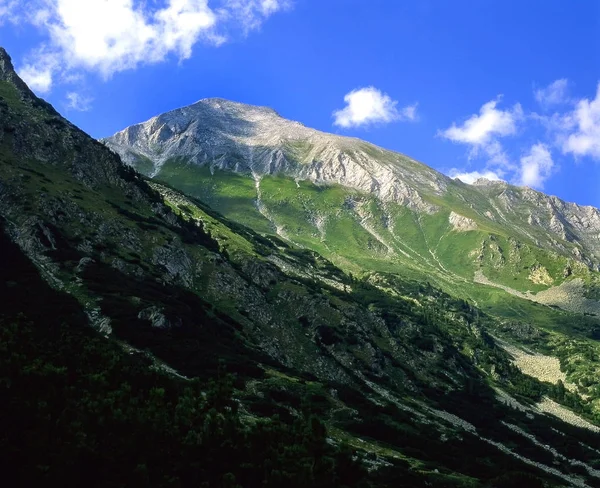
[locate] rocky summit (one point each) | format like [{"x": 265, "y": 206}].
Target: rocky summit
[
  {"x": 257, "y": 141},
  {"x": 219, "y": 297}
]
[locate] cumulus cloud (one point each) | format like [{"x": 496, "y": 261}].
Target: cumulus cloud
[
  {"x": 471, "y": 177},
  {"x": 109, "y": 36},
  {"x": 581, "y": 128},
  {"x": 483, "y": 128},
  {"x": 572, "y": 128},
  {"x": 481, "y": 132},
  {"x": 554, "y": 94},
  {"x": 366, "y": 106},
  {"x": 536, "y": 166},
  {"x": 78, "y": 102}
]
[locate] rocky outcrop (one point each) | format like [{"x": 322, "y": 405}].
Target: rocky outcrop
[
  {"x": 157, "y": 318},
  {"x": 566, "y": 228},
  {"x": 539, "y": 275},
  {"x": 461, "y": 223}
]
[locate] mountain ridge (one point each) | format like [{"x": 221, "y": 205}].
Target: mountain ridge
[{"x": 220, "y": 103}]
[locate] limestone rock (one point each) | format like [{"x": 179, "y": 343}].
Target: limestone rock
[{"x": 461, "y": 223}]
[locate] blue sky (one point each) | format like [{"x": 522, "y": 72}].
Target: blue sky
[{"x": 498, "y": 88}]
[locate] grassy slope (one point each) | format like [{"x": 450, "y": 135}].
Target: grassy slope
[
  {"x": 397, "y": 241},
  {"x": 354, "y": 229},
  {"x": 288, "y": 387}
]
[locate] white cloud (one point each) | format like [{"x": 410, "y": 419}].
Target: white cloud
[
  {"x": 554, "y": 94},
  {"x": 495, "y": 154},
  {"x": 365, "y": 106},
  {"x": 481, "y": 132},
  {"x": 40, "y": 68},
  {"x": 109, "y": 36},
  {"x": 472, "y": 176},
  {"x": 270, "y": 6},
  {"x": 573, "y": 130},
  {"x": 38, "y": 78},
  {"x": 583, "y": 138},
  {"x": 9, "y": 11},
  {"x": 78, "y": 102},
  {"x": 536, "y": 166},
  {"x": 483, "y": 128}
]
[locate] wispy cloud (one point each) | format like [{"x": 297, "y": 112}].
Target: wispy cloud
[
  {"x": 9, "y": 11},
  {"x": 367, "y": 106},
  {"x": 251, "y": 14},
  {"x": 107, "y": 37},
  {"x": 554, "y": 94},
  {"x": 483, "y": 133},
  {"x": 77, "y": 101},
  {"x": 410, "y": 112},
  {"x": 581, "y": 128}
]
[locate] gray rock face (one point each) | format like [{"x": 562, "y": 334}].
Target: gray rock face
[
  {"x": 256, "y": 141},
  {"x": 49, "y": 138},
  {"x": 549, "y": 221}
]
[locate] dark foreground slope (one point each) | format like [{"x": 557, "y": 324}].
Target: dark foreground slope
[
  {"x": 77, "y": 410},
  {"x": 125, "y": 299}
]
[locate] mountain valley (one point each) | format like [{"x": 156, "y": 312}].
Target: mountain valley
[{"x": 219, "y": 282}]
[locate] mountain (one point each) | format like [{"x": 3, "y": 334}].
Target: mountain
[
  {"x": 283, "y": 178},
  {"x": 257, "y": 141},
  {"x": 149, "y": 340},
  {"x": 373, "y": 212}
]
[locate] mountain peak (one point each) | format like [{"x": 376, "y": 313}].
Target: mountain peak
[
  {"x": 257, "y": 141},
  {"x": 8, "y": 73},
  {"x": 7, "y": 70},
  {"x": 487, "y": 182},
  {"x": 5, "y": 61},
  {"x": 230, "y": 105}
]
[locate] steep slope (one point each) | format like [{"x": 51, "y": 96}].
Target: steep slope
[
  {"x": 83, "y": 411},
  {"x": 395, "y": 368}
]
